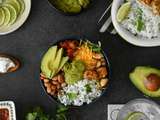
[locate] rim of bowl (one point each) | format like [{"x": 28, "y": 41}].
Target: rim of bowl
[
  {"x": 20, "y": 17},
  {"x": 67, "y": 13},
  {"x": 127, "y": 35},
  {"x": 108, "y": 76}
]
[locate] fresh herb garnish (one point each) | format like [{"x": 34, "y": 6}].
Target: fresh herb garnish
[
  {"x": 139, "y": 21},
  {"x": 88, "y": 88},
  {"x": 139, "y": 24},
  {"x": 38, "y": 114},
  {"x": 72, "y": 96},
  {"x": 61, "y": 113},
  {"x": 95, "y": 47}
]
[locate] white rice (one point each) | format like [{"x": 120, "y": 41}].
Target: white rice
[
  {"x": 152, "y": 22},
  {"x": 79, "y": 88}
]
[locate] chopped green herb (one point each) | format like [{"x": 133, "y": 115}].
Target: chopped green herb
[
  {"x": 139, "y": 24},
  {"x": 72, "y": 96},
  {"x": 88, "y": 88},
  {"x": 95, "y": 47},
  {"x": 139, "y": 21}
]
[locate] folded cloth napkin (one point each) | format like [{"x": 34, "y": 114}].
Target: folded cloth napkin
[{"x": 113, "y": 110}]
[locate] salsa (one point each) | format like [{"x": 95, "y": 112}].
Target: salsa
[{"x": 4, "y": 114}]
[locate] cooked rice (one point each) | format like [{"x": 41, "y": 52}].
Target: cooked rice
[
  {"x": 152, "y": 22},
  {"x": 82, "y": 95}
]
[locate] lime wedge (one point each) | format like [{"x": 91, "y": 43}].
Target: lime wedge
[
  {"x": 7, "y": 15},
  {"x": 2, "y": 16},
  {"x": 15, "y": 4},
  {"x": 13, "y": 13},
  {"x": 136, "y": 116},
  {"x": 22, "y": 4},
  {"x": 123, "y": 11}
]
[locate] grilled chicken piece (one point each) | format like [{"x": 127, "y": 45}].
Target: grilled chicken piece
[
  {"x": 146, "y": 2},
  {"x": 155, "y": 4}
]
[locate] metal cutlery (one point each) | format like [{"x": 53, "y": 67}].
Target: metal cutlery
[{"x": 107, "y": 25}]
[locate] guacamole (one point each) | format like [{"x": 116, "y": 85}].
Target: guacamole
[
  {"x": 74, "y": 71},
  {"x": 71, "y": 6}
]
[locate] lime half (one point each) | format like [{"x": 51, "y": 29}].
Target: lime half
[
  {"x": 13, "y": 13},
  {"x": 7, "y": 15},
  {"x": 22, "y": 4},
  {"x": 15, "y": 4},
  {"x": 136, "y": 116},
  {"x": 123, "y": 11},
  {"x": 2, "y": 16}
]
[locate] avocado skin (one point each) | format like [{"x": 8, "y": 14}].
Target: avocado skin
[{"x": 138, "y": 76}]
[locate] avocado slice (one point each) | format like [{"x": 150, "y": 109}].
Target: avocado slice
[
  {"x": 54, "y": 66},
  {"x": 64, "y": 60},
  {"x": 48, "y": 57},
  {"x": 139, "y": 75}
]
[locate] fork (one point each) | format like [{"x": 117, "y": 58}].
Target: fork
[{"x": 107, "y": 25}]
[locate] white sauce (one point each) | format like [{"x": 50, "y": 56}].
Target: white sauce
[{"x": 5, "y": 64}]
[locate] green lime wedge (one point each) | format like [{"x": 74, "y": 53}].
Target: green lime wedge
[
  {"x": 15, "y": 4},
  {"x": 13, "y": 13},
  {"x": 7, "y": 15},
  {"x": 123, "y": 11},
  {"x": 22, "y": 4},
  {"x": 136, "y": 116},
  {"x": 2, "y": 16}
]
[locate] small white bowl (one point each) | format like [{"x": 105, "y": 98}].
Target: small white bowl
[
  {"x": 19, "y": 22},
  {"x": 128, "y": 36}
]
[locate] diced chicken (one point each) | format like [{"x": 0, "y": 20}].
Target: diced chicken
[
  {"x": 147, "y": 2},
  {"x": 154, "y": 4},
  {"x": 91, "y": 75},
  {"x": 156, "y": 7}
]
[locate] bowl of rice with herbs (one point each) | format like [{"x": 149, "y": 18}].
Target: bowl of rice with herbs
[
  {"x": 137, "y": 21},
  {"x": 74, "y": 72}
]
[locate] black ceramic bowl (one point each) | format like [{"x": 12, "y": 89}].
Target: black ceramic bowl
[
  {"x": 51, "y": 2},
  {"x": 107, "y": 65}
]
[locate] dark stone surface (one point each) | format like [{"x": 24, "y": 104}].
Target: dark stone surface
[{"x": 45, "y": 26}]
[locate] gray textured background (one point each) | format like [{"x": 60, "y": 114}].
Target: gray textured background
[{"x": 45, "y": 26}]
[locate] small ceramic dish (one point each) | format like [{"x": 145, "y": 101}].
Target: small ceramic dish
[
  {"x": 128, "y": 36},
  {"x": 9, "y": 108},
  {"x": 15, "y": 61},
  {"x": 20, "y": 20}
]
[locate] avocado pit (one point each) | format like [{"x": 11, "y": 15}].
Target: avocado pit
[{"x": 152, "y": 82}]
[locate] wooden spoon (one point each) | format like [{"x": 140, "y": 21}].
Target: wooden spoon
[{"x": 15, "y": 61}]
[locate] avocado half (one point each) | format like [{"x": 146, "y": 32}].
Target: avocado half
[{"x": 139, "y": 75}]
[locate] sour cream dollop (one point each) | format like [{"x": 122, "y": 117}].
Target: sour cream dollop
[{"x": 6, "y": 64}]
